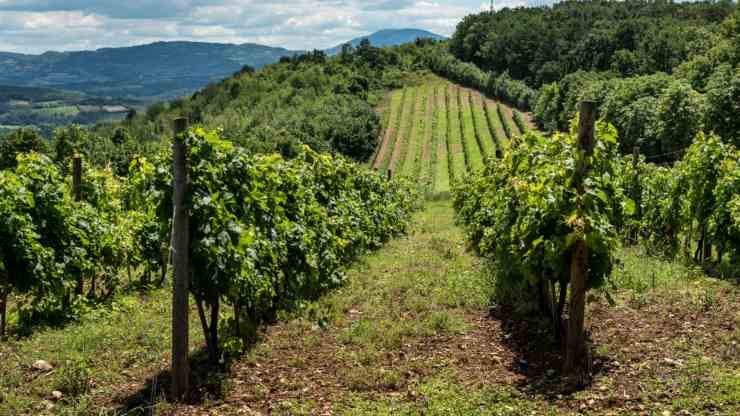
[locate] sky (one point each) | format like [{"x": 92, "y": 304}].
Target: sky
[{"x": 36, "y": 26}]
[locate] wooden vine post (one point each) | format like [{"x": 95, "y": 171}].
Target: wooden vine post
[
  {"x": 390, "y": 174},
  {"x": 637, "y": 192},
  {"x": 181, "y": 264},
  {"x": 77, "y": 193},
  {"x": 3, "y": 303},
  {"x": 576, "y": 342}
]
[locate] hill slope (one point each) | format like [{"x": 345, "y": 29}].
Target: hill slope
[
  {"x": 389, "y": 37},
  {"x": 160, "y": 70},
  {"x": 157, "y": 70},
  {"x": 439, "y": 131}
]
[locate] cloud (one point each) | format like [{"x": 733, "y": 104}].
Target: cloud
[{"x": 34, "y": 26}]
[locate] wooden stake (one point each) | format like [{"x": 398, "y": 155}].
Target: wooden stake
[
  {"x": 181, "y": 261},
  {"x": 390, "y": 174},
  {"x": 77, "y": 177},
  {"x": 77, "y": 193},
  {"x": 576, "y": 342},
  {"x": 637, "y": 197}
]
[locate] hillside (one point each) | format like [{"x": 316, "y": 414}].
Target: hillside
[
  {"x": 473, "y": 227},
  {"x": 389, "y": 37},
  {"x": 437, "y": 132},
  {"x": 161, "y": 70},
  {"x": 154, "y": 71},
  {"x": 47, "y": 108},
  {"x": 661, "y": 72}
]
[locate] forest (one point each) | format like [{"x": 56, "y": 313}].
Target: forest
[
  {"x": 540, "y": 215},
  {"x": 659, "y": 71}
]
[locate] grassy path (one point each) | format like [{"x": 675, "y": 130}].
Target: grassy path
[{"x": 411, "y": 333}]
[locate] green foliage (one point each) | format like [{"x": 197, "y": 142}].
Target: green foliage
[
  {"x": 541, "y": 45},
  {"x": 267, "y": 232},
  {"x": 488, "y": 147},
  {"x": 48, "y": 239},
  {"x": 723, "y": 103},
  {"x": 660, "y": 72},
  {"x": 323, "y": 102},
  {"x": 502, "y": 86},
  {"x": 698, "y": 195},
  {"x": 470, "y": 142},
  {"x": 679, "y": 116},
  {"x": 73, "y": 378},
  {"x": 19, "y": 141},
  {"x": 660, "y": 210},
  {"x": 525, "y": 214},
  {"x": 67, "y": 142},
  {"x": 519, "y": 122},
  {"x": 504, "y": 122}
]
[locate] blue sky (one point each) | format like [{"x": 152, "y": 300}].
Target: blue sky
[{"x": 35, "y": 26}]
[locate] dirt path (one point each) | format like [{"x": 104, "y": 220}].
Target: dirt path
[
  {"x": 411, "y": 333},
  {"x": 388, "y": 136}
]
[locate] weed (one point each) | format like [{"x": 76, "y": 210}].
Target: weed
[
  {"x": 73, "y": 378},
  {"x": 708, "y": 299}
]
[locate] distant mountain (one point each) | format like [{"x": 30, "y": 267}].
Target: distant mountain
[
  {"x": 154, "y": 71},
  {"x": 157, "y": 71},
  {"x": 389, "y": 37}
]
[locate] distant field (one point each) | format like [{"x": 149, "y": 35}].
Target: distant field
[{"x": 439, "y": 131}]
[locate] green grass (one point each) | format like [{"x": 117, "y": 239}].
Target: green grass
[
  {"x": 482, "y": 130},
  {"x": 109, "y": 347},
  {"x": 395, "y": 341},
  {"x": 443, "y": 397},
  {"x": 454, "y": 135},
  {"x": 473, "y": 154},
  {"x": 441, "y": 160},
  {"x": 60, "y": 111}
]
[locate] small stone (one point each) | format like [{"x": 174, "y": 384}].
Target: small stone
[
  {"x": 56, "y": 395},
  {"x": 666, "y": 413},
  {"x": 42, "y": 365},
  {"x": 672, "y": 362},
  {"x": 591, "y": 402}
]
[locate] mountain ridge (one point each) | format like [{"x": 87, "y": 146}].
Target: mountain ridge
[
  {"x": 159, "y": 70},
  {"x": 388, "y": 37}
]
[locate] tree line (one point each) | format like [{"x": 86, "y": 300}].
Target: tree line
[{"x": 659, "y": 71}]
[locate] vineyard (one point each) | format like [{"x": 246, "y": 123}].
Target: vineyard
[
  {"x": 387, "y": 231},
  {"x": 439, "y": 131}
]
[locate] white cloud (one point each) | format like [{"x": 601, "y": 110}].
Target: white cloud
[{"x": 34, "y": 26}]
